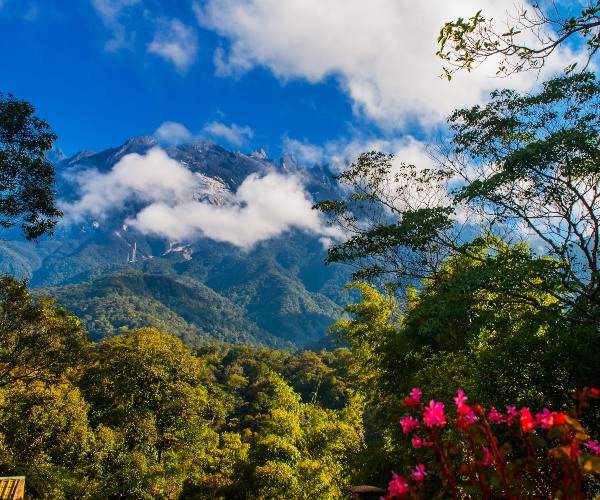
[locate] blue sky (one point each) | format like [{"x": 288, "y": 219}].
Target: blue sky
[{"x": 320, "y": 79}]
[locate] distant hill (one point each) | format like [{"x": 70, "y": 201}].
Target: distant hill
[{"x": 277, "y": 294}]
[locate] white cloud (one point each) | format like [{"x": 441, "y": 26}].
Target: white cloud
[
  {"x": 233, "y": 134},
  {"x": 152, "y": 178},
  {"x": 110, "y": 11},
  {"x": 302, "y": 151},
  {"x": 381, "y": 52},
  {"x": 262, "y": 207},
  {"x": 268, "y": 206},
  {"x": 340, "y": 153},
  {"x": 176, "y": 43},
  {"x": 177, "y": 133},
  {"x": 173, "y": 133}
]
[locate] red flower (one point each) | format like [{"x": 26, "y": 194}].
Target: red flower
[
  {"x": 548, "y": 419},
  {"x": 511, "y": 413},
  {"x": 496, "y": 416},
  {"x": 414, "y": 398},
  {"x": 593, "y": 446},
  {"x": 527, "y": 420},
  {"x": 417, "y": 442},
  {"x": 419, "y": 473},
  {"x": 489, "y": 458},
  {"x": 398, "y": 486}
]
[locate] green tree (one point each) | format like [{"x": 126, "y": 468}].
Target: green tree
[
  {"x": 525, "y": 166},
  {"x": 26, "y": 175},
  {"x": 477, "y": 326},
  {"x": 45, "y": 435},
  {"x": 149, "y": 388},
  {"x": 38, "y": 341},
  {"x": 300, "y": 450}
]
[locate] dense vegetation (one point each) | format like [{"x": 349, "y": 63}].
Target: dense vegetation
[
  {"x": 140, "y": 415},
  {"x": 481, "y": 275}
]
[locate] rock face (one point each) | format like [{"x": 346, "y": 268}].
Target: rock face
[{"x": 278, "y": 293}]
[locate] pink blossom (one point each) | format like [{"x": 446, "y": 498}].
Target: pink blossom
[
  {"x": 434, "y": 414},
  {"x": 548, "y": 419},
  {"x": 511, "y": 414},
  {"x": 417, "y": 442},
  {"x": 593, "y": 446},
  {"x": 419, "y": 473},
  {"x": 466, "y": 419},
  {"x": 414, "y": 398},
  {"x": 408, "y": 424},
  {"x": 496, "y": 416},
  {"x": 460, "y": 399},
  {"x": 398, "y": 486},
  {"x": 527, "y": 420},
  {"x": 489, "y": 458}
]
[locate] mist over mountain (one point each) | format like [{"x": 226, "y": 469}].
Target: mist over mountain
[{"x": 196, "y": 240}]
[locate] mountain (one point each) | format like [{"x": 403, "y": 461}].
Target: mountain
[{"x": 275, "y": 292}]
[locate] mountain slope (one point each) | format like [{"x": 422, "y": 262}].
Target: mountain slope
[{"x": 277, "y": 293}]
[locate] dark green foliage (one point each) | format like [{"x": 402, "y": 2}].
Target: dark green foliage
[
  {"x": 26, "y": 176},
  {"x": 131, "y": 299}
]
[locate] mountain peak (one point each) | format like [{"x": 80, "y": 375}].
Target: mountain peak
[{"x": 142, "y": 140}]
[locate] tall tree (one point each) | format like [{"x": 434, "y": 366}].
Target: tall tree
[
  {"x": 525, "y": 166},
  {"x": 26, "y": 175}
]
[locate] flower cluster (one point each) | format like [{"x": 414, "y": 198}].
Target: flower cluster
[{"x": 487, "y": 466}]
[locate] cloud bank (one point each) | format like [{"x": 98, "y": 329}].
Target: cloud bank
[
  {"x": 382, "y": 53},
  {"x": 262, "y": 207}
]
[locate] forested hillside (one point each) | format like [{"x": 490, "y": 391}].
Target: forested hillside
[
  {"x": 274, "y": 294},
  {"x": 154, "y": 347}
]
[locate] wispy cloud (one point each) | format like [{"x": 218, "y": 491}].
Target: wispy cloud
[
  {"x": 175, "y": 42},
  {"x": 173, "y": 133},
  {"x": 167, "y": 192},
  {"x": 381, "y": 53},
  {"x": 303, "y": 151},
  {"x": 341, "y": 152},
  {"x": 111, "y": 11},
  {"x": 233, "y": 135}
]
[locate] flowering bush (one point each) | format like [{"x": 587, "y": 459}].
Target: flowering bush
[{"x": 546, "y": 455}]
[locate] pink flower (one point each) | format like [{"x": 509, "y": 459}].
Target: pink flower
[
  {"x": 527, "y": 420},
  {"x": 593, "y": 446},
  {"x": 434, "y": 414},
  {"x": 594, "y": 392},
  {"x": 496, "y": 416},
  {"x": 548, "y": 419},
  {"x": 408, "y": 424},
  {"x": 417, "y": 442},
  {"x": 414, "y": 398},
  {"x": 398, "y": 486},
  {"x": 460, "y": 400},
  {"x": 419, "y": 473},
  {"x": 489, "y": 458},
  {"x": 511, "y": 413}
]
